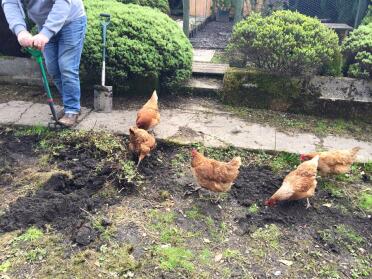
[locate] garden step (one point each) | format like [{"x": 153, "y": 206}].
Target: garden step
[
  {"x": 204, "y": 68},
  {"x": 204, "y": 85}
]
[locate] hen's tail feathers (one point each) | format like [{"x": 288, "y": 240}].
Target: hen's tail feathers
[
  {"x": 154, "y": 96},
  {"x": 355, "y": 150},
  {"x": 236, "y": 161},
  {"x": 315, "y": 160}
]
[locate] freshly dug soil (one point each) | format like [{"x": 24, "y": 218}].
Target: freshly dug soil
[
  {"x": 256, "y": 184},
  {"x": 65, "y": 201}
]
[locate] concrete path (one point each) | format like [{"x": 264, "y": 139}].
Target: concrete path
[
  {"x": 203, "y": 55},
  {"x": 188, "y": 123}
]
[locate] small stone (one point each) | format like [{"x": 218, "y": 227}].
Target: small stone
[
  {"x": 206, "y": 240},
  {"x": 85, "y": 235},
  {"x": 277, "y": 273},
  {"x": 236, "y": 130},
  {"x": 106, "y": 222},
  {"x": 218, "y": 258}
]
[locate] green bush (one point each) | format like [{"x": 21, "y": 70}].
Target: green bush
[
  {"x": 143, "y": 44},
  {"x": 162, "y": 5},
  {"x": 285, "y": 42},
  {"x": 357, "y": 49}
]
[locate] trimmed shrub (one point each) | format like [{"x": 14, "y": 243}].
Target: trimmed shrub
[
  {"x": 285, "y": 42},
  {"x": 142, "y": 43},
  {"x": 357, "y": 49},
  {"x": 162, "y": 5}
]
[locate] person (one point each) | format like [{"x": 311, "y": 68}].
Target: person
[{"x": 61, "y": 25}]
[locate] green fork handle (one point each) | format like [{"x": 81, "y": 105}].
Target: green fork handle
[{"x": 38, "y": 56}]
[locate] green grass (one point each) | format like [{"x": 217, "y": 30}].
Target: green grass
[
  {"x": 37, "y": 130},
  {"x": 334, "y": 190},
  {"x": 269, "y": 235},
  {"x": 35, "y": 255},
  {"x": 206, "y": 256},
  {"x": 343, "y": 236},
  {"x": 4, "y": 267},
  {"x": 31, "y": 234},
  {"x": 169, "y": 232},
  {"x": 231, "y": 254},
  {"x": 365, "y": 201},
  {"x": 254, "y": 209},
  {"x": 362, "y": 268},
  {"x": 193, "y": 214},
  {"x": 129, "y": 171},
  {"x": 284, "y": 161},
  {"x": 329, "y": 272},
  {"x": 172, "y": 258},
  {"x": 367, "y": 167}
]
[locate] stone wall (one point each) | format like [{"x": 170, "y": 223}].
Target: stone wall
[{"x": 331, "y": 96}]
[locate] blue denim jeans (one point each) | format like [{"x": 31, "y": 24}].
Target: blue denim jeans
[{"x": 62, "y": 58}]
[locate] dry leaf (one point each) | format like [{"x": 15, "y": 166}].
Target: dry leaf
[{"x": 288, "y": 263}]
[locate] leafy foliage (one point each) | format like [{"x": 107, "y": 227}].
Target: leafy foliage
[
  {"x": 162, "y": 5},
  {"x": 285, "y": 42},
  {"x": 143, "y": 43},
  {"x": 358, "y": 51}
]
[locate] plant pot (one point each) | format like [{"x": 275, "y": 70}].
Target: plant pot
[{"x": 222, "y": 15}]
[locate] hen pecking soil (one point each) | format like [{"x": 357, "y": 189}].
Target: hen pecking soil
[{"x": 91, "y": 175}]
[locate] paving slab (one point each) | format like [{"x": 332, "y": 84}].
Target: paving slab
[
  {"x": 40, "y": 114},
  {"x": 364, "y": 155},
  {"x": 192, "y": 122},
  {"x": 114, "y": 122},
  {"x": 203, "y": 55},
  {"x": 12, "y": 111}
]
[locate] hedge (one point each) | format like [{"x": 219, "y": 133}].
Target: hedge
[
  {"x": 285, "y": 42},
  {"x": 357, "y": 49},
  {"x": 143, "y": 43},
  {"x": 162, "y": 5}
]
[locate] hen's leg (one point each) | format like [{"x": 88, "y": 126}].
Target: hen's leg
[{"x": 308, "y": 203}]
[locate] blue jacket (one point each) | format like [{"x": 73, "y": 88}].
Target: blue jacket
[{"x": 49, "y": 15}]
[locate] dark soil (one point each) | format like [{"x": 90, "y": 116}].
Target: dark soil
[
  {"x": 255, "y": 185},
  {"x": 67, "y": 202},
  {"x": 215, "y": 35},
  {"x": 63, "y": 202}
]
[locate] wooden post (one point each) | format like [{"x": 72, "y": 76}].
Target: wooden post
[
  {"x": 238, "y": 10},
  {"x": 186, "y": 17}
]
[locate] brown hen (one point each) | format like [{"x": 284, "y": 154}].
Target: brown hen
[
  {"x": 298, "y": 184},
  {"x": 214, "y": 175},
  {"x": 333, "y": 162},
  {"x": 148, "y": 116},
  {"x": 141, "y": 143}
]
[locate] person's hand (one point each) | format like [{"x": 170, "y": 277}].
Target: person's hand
[
  {"x": 25, "y": 38},
  {"x": 39, "y": 41}
]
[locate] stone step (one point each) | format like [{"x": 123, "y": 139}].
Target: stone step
[
  {"x": 209, "y": 69},
  {"x": 204, "y": 85}
]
